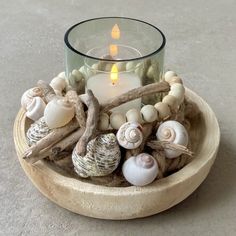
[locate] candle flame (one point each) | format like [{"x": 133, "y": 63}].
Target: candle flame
[
  {"x": 113, "y": 50},
  {"x": 114, "y": 74},
  {"x": 115, "y": 32}
]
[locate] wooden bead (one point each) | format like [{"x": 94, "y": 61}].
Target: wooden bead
[
  {"x": 171, "y": 101},
  {"x": 150, "y": 72},
  {"x": 149, "y": 113},
  {"x": 134, "y": 115},
  {"x": 168, "y": 75},
  {"x": 163, "y": 110},
  {"x": 103, "y": 123},
  {"x": 117, "y": 120},
  {"x": 177, "y": 90},
  {"x": 175, "y": 79}
]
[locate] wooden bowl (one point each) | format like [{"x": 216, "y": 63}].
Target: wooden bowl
[{"x": 122, "y": 203}]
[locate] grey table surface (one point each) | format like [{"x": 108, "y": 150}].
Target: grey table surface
[{"x": 201, "y": 47}]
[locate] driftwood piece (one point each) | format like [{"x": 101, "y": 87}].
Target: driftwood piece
[
  {"x": 147, "y": 130},
  {"x": 134, "y": 94},
  {"x": 48, "y": 91},
  {"x": 92, "y": 121},
  {"x": 160, "y": 145},
  {"x": 79, "y": 108},
  {"x": 49, "y": 140}
]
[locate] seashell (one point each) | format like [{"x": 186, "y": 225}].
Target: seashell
[
  {"x": 37, "y": 131},
  {"x": 134, "y": 115},
  {"x": 150, "y": 72},
  {"x": 168, "y": 75},
  {"x": 130, "y": 66},
  {"x": 117, "y": 120},
  {"x": 58, "y": 113},
  {"x": 58, "y": 84},
  {"x": 174, "y": 80},
  {"x": 28, "y": 96},
  {"x": 102, "y": 158},
  {"x": 171, "y": 101},
  {"x": 62, "y": 75},
  {"x": 140, "y": 170},
  {"x": 177, "y": 90},
  {"x": 175, "y": 132},
  {"x": 95, "y": 66},
  {"x": 35, "y": 109},
  {"x": 149, "y": 113},
  {"x": 130, "y": 135},
  {"x": 83, "y": 70},
  {"x": 163, "y": 110},
  {"x": 103, "y": 123},
  {"x": 121, "y": 66}
]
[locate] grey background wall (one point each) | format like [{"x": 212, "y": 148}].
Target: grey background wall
[{"x": 201, "y": 47}]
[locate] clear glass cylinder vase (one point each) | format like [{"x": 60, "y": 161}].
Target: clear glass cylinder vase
[{"x": 112, "y": 55}]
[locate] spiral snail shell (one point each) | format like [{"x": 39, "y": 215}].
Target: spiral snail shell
[
  {"x": 175, "y": 132},
  {"x": 102, "y": 157},
  {"x": 58, "y": 113},
  {"x": 28, "y": 96},
  {"x": 35, "y": 109},
  {"x": 37, "y": 131},
  {"x": 58, "y": 84},
  {"x": 140, "y": 170},
  {"x": 130, "y": 135}
]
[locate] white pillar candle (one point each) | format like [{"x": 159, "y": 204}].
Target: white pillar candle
[{"x": 104, "y": 90}]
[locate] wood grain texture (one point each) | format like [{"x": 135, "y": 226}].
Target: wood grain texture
[{"x": 130, "y": 202}]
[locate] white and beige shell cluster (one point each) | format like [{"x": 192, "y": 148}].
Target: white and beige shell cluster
[{"x": 103, "y": 153}]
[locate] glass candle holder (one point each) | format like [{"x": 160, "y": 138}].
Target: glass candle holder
[{"x": 113, "y": 55}]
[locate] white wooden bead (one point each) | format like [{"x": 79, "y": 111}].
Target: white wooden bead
[
  {"x": 117, "y": 120},
  {"x": 103, "y": 123},
  {"x": 134, "y": 115},
  {"x": 78, "y": 75},
  {"x": 163, "y": 110},
  {"x": 168, "y": 75},
  {"x": 177, "y": 90},
  {"x": 150, "y": 72},
  {"x": 149, "y": 113},
  {"x": 171, "y": 101}
]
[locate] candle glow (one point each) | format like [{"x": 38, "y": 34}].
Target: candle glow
[
  {"x": 115, "y": 32},
  {"x": 114, "y": 74}
]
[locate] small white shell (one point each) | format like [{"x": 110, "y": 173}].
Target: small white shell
[
  {"x": 28, "y": 96},
  {"x": 102, "y": 157},
  {"x": 130, "y": 135},
  {"x": 149, "y": 113},
  {"x": 163, "y": 110},
  {"x": 58, "y": 84},
  {"x": 37, "y": 131},
  {"x": 134, "y": 115},
  {"x": 168, "y": 75},
  {"x": 117, "y": 120},
  {"x": 103, "y": 123},
  {"x": 58, "y": 113},
  {"x": 171, "y": 101},
  {"x": 35, "y": 109},
  {"x": 140, "y": 170},
  {"x": 83, "y": 70},
  {"x": 95, "y": 66},
  {"x": 139, "y": 69},
  {"x": 177, "y": 90},
  {"x": 175, "y": 132}
]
